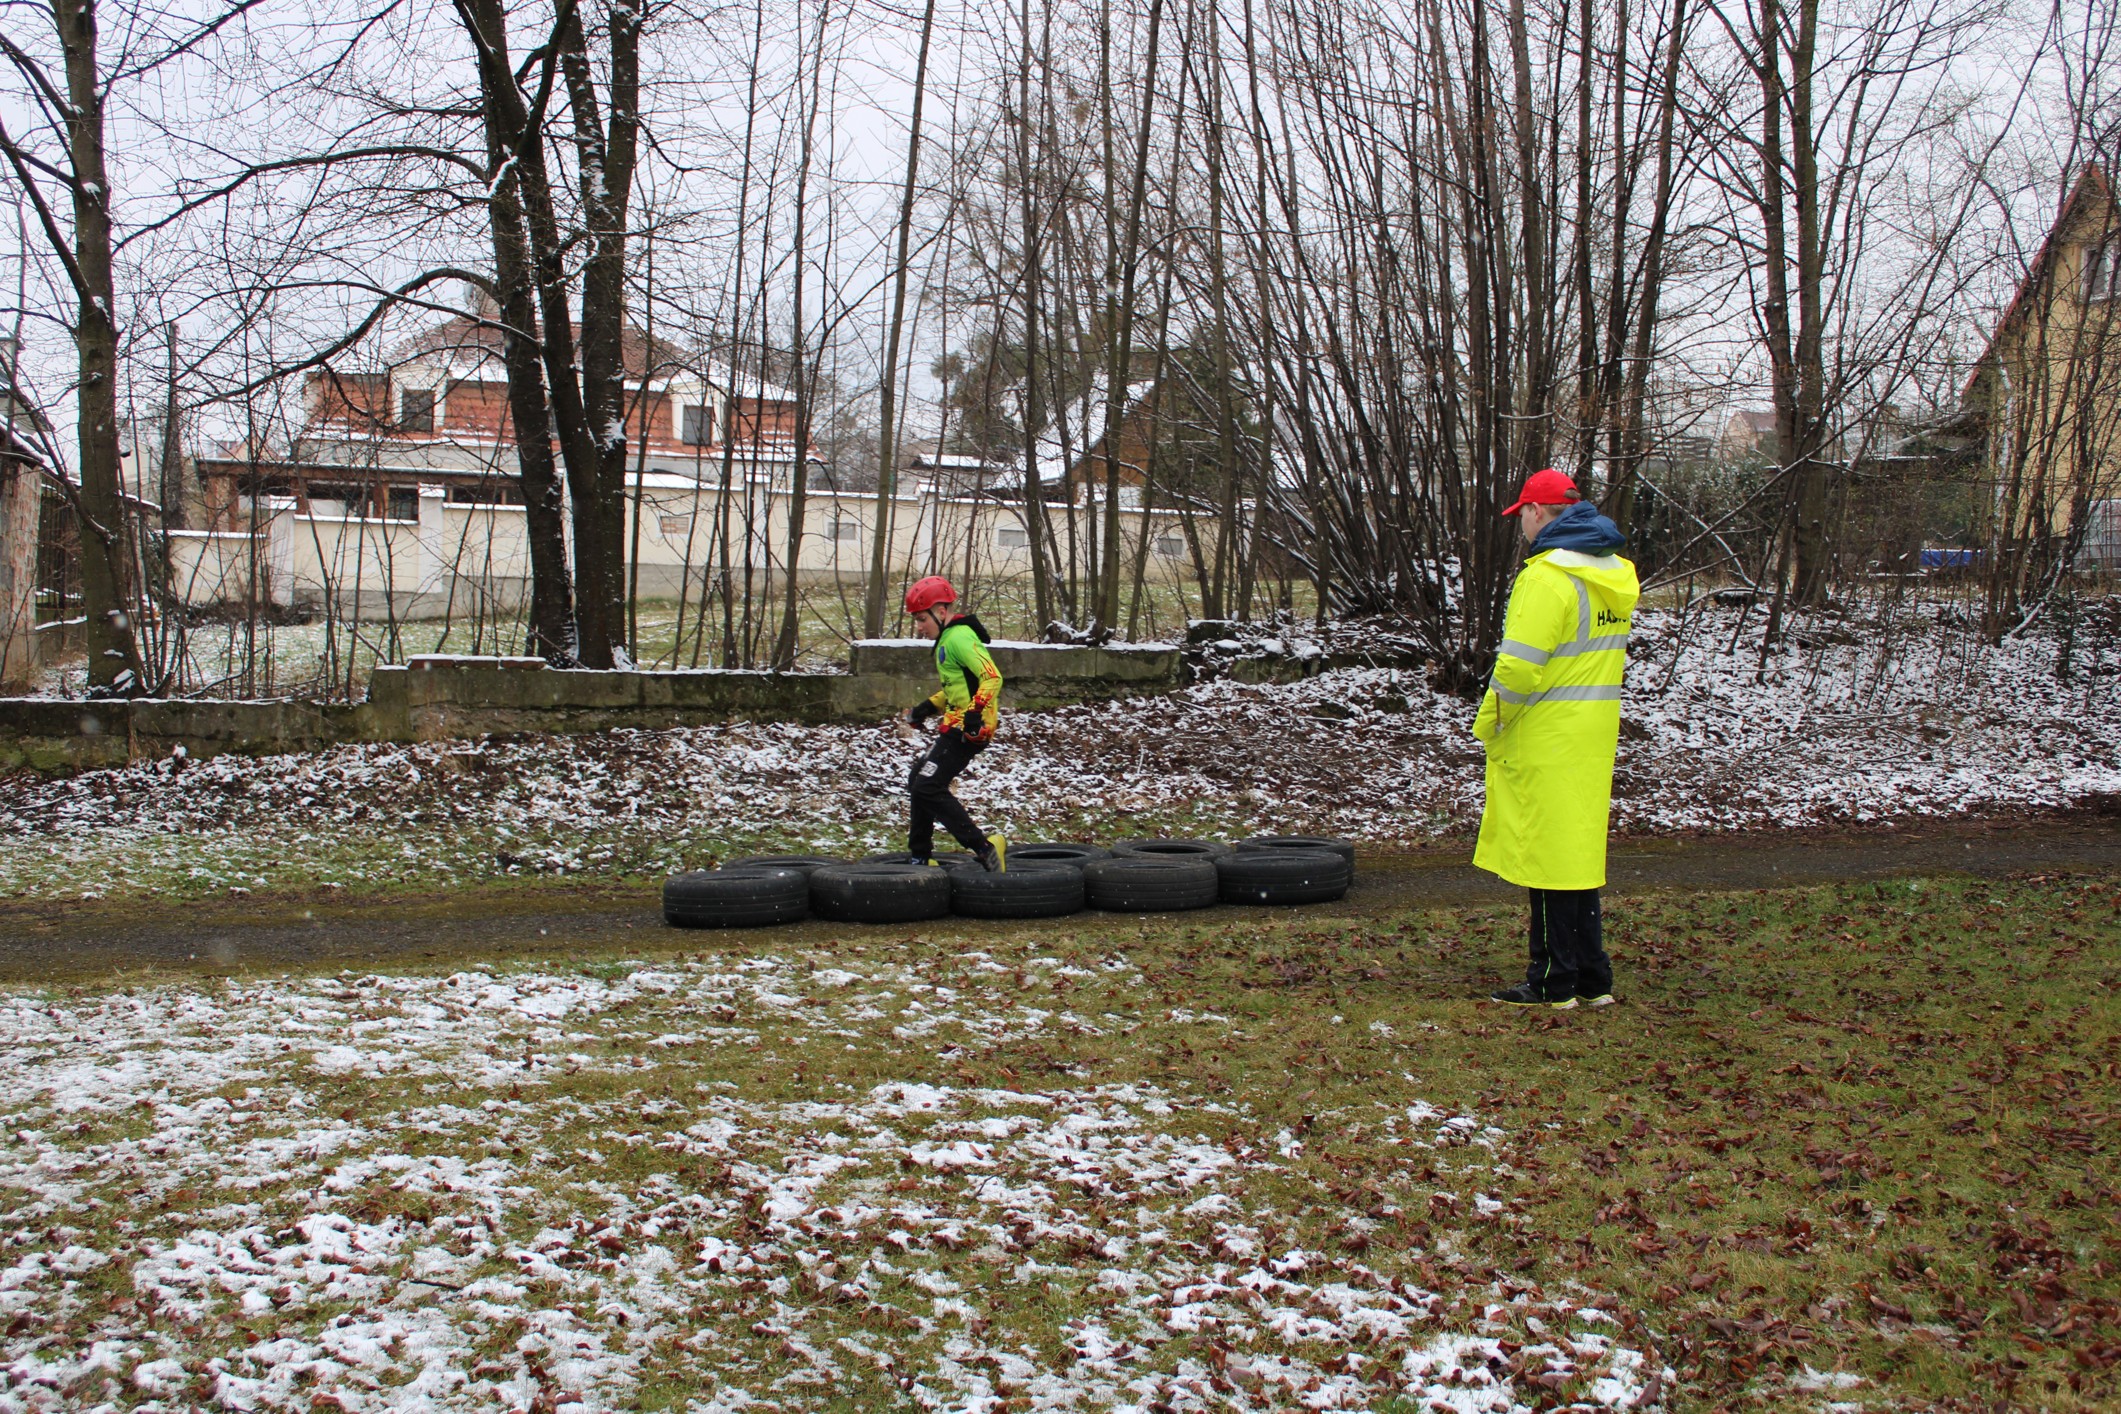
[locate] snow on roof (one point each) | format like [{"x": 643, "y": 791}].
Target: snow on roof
[
  {"x": 1084, "y": 420},
  {"x": 477, "y": 344},
  {"x": 950, "y": 461}
]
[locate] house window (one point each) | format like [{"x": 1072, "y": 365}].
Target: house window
[
  {"x": 1012, "y": 537},
  {"x": 674, "y": 525},
  {"x": 696, "y": 427},
  {"x": 1170, "y": 546},
  {"x": 404, "y": 503},
  {"x": 485, "y": 494},
  {"x": 2102, "y": 270},
  {"x": 843, "y": 530},
  {"x": 416, "y": 410}
]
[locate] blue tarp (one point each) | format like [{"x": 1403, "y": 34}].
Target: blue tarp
[{"x": 1950, "y": 559}]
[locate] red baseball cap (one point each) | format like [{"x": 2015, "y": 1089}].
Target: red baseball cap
[{"x": 1545, "y": 488}]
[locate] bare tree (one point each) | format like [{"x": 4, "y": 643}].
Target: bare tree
[{"x": 70, "y": 105}]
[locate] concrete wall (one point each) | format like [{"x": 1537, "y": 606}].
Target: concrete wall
[
  {"x": 457, "y": 559},
  {"x": 1034, "y": 675},
  {"x": 440, "y": 698}
]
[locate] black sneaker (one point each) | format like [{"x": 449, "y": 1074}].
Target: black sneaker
[
  {"x": 995, "y": 857},
  {"x": 1601, "y": 999},
  {"x": 1523, "y": 995}
]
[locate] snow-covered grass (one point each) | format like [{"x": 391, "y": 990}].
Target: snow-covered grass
[
  {"x": 1841, "y": 1148},
  {"x": 895, "y": 1176},
  {"x": 1717, "y": 735}
]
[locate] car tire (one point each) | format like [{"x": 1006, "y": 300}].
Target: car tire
[
  {"x": 1073, "y": 854},
  {"x": 803, "y": 862},
  {"x": 1344, "y": 848},
  {"x": 879, "y": 893},
  {"x": 1145, "y": 884},
  {"x": 1170, "y": 849},
  {"x": 737, "y": 897},
  {"x": 1284, "y": 876},
  {"x": 954, "y": 859},
  {"x": 1041, "y": 889}
]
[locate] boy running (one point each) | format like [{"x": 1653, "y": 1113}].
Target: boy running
[{"x": 969, "y": 708}]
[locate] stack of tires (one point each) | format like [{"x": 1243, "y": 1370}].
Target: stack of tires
[{"x": 1042, "y": 881}]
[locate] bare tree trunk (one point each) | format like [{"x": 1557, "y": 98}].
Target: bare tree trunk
[
  {"x": 888, "y": 414},
  {"x": 107, "y": 590},
  {"x": 170, "y": 483},
  {"x": 1630, "y": 440},
  {"x": 1228, "y": 543},
  {"x": 1533, "y": 444},
  {"x": 1123, "y": 260},
  {"x": 644, "y": 399},
  {"x": 1033, "y": 256},
  {"x": 1813, "y": 536},
  {"x": 606, "y": 158},
  {"x": 799, "y": 478},
  {"x": 553, "y": 633},
  {"x": 1789, "y": 172}
]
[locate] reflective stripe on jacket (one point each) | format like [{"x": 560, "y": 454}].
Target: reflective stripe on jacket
[{"x": 1551, "y": 720}]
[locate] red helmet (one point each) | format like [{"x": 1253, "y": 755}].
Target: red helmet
[{"x": 925, "y": 594}]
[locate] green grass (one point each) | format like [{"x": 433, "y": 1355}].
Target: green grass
[
  {"x": 393, "y": 853},
  {"x": 1866, "y": 1129}
]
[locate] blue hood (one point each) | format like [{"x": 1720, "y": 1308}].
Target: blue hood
[{"x": 1580, "y": 528}]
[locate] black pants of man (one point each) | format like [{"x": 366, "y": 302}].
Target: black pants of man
[
  {"x": 1568, "y": 946},
  {"x": 929, "y": 788}
]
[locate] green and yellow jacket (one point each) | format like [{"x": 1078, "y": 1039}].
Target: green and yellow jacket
[{"x": 970, "y": 698}]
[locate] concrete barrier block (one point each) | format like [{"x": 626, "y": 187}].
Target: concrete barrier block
[
  {"x": 50, "y": 736},
  {"x": 444, "y": 696},
  {"x": 874, "y": 696},
  {"x": 890, "y": 657},
  {"x": 575, "y": 689},
  {"x": 1039, "y": 669}
]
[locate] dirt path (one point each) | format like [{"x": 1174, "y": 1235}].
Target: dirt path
[{"x": 74, "y": 941}]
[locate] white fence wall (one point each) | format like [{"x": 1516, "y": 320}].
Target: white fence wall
[{"x": 458, "y": 560}]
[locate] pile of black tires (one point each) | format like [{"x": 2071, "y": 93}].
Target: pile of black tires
[{"x": 1042, "y": 881}]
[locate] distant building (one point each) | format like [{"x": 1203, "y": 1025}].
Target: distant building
[
  {"x": 2046, "y": 392},
  {"x": 1749, "y": 434},
  {"x": 21, "y": 493},
  {"x": 956, "y": 473},
  {"x": 399, "y": 496},
  {"x": 438, "y": 416}
]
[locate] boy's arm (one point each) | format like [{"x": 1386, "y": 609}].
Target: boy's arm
[
  {"x": 982, "y": 712},
  {"x": 965, "y": 653},
  {"x": 1540, "y": 619}
]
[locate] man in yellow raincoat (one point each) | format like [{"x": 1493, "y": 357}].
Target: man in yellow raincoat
[{"x": 1551, "y": 724}]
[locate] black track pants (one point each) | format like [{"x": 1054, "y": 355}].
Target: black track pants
[
  {"x": 1568, "y": 945},
  {"x": 929, "y": 788}
]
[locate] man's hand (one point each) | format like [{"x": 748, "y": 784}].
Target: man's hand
[{"x": 1487, "y": 722}]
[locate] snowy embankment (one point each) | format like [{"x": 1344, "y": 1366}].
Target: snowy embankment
[
  {"x": 1717, "y": 736},
  {"x": 544, "y": 1192}
]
